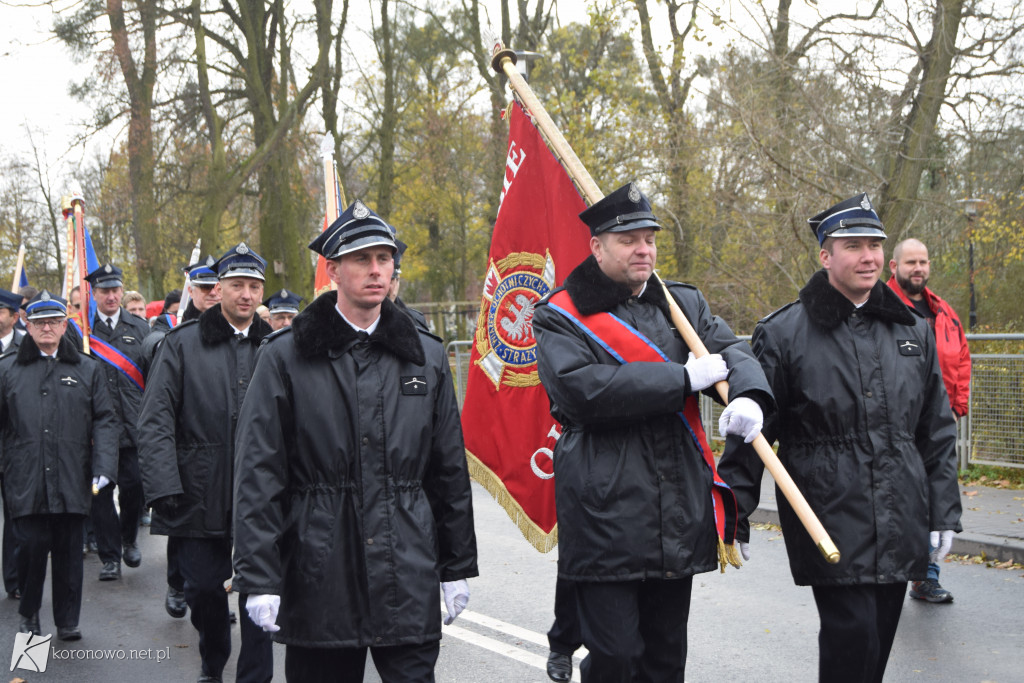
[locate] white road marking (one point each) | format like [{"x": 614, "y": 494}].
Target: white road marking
[{"x": 501, "y": 648}]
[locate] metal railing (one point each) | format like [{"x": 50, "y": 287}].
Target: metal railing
[{"x": 991, "y": 434}]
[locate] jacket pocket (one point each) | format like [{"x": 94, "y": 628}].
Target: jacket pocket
[{"x": 315, "y": 534}]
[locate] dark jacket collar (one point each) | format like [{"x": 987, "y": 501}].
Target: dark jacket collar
[
  {"x": 28, "y": 352},
  {"x": 214, "y": 327},
  {"x": 191, "y": 312},
  {"x": 592, "y": 291},
  {"x": 319, "y": 330},
  {"x": 829, "y": 308}
]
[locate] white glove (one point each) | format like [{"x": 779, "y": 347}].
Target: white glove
[
  {"x": 456, "y": 597},
  {"x": 742, "y": 417},
  {"x": 100, "y": 482},
  {"x": 940, "y": 541},
  {"x": 706, "y": 370},
  {"x": 262, "y": 610},
  {"x": 744, "y": 550}
]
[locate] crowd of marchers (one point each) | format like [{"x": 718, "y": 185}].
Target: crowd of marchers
[{"x": 314, "y": 460}]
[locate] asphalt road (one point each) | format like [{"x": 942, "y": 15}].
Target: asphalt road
[{"x": 750, "y": 624}]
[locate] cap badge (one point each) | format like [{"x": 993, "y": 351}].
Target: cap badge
[
  {"x": 633, "y": 194},
  {"x": 865, "y": 203},
  {"x": 242, "y": 249},
  {"x": 283, "y": 294},
  {"x": 360, "y": 211},
  {"x": 45, "y": 296},
  {"x": 209, "y": 261},
  {"x": 108, "y": 269}
]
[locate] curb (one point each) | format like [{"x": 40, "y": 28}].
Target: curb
[{"x": 966, "y": 543}]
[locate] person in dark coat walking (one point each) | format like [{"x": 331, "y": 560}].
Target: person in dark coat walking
[
  {"x": 187, "y": 429},
  {"x": 204, "y": 290},
  {"x": 352, "y": 495},
  {"x": 10, "y": 339},
  {"x": 865, "y": 429},
  {"x": 635, "y": 485},
  {"x": 58, "y": 436},
  {"x": 118, "y": 340}
]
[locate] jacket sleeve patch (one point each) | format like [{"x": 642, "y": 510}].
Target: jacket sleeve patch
[
  {"x": 908, "y": 347},
  {"x": 414, "y": 385}
]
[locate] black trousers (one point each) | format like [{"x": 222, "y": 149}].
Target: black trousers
[
  {"x": 205, "y": 564},
  {"x": 256, "y": 656},
  {"x": 174, "y": 578},
  {"x": 397, "y": 664},
  {"x": 60, "y": 537},
  {"x": 111, "y": 532},
  {"x": 565, "y": 637},
  {"x": 858, "y": 626},
  {"x": 9, "y": 560},
  {"x": 635, "y": 630}
]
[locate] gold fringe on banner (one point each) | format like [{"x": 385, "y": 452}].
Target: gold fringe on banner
[
  {"x": 544, "y": 542},
  {"x": 728, "y": 554}
]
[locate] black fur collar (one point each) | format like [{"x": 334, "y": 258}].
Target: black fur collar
[
  {"x": 319, "y": 330},
  {"x": 829, "y": 308},
  {"x": 214, "y": 328},
  {"x": 191, "y": 312},
  {"x": 28, "y": 352},
  {"x": 592, "y": 291}
]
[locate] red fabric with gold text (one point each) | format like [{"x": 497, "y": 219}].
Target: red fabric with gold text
[{"x": 538, "y": 239}]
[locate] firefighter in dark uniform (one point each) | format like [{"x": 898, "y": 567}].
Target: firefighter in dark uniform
[
  {"x": 124, "y": 368},
  {"x": 187, "y": 427},
  {"x": 353, "y": 509},
  {"x": 283, "y": 307},
  {"x": 635, "y": 486},
  {"x": 10, "y": 339},
  {"x": 58, "y": 433},
  {"x": 204, "y": 291}
]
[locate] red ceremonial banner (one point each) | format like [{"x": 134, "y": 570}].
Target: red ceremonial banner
[{"x": 538, "y": 239}]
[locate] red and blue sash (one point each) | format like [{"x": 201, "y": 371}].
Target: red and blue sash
[
  {"x": 626, "y": 344},
  {"x": 111, "y": 355},
  {"x": 172, "y": 320}
]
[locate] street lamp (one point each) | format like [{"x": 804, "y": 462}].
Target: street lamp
[{"x": 971, "y": 207}]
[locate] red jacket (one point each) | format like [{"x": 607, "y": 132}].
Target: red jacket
[{"x": 951, "y": 344}]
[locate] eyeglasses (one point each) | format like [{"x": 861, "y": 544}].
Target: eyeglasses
[{"x": 48, "y": 322}]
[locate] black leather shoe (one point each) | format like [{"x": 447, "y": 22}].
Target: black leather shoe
[
  {"x": 207, "y": 678},
  {"x": 111, "y": 571},
  {"x": 175, "y": 603},
  {"x": 232, "y": 617},
  {"x": 30, "y": 625},
  {"x": 69, "y": 633},
  {"x": 559, "y": 667},
  {"x": 92, "y": 546},
  {"x": 132, "y": 556},
  {"x": 14, "y": 594}
]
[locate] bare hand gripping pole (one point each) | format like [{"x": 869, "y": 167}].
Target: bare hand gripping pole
[{"x": 503, "y": 61}]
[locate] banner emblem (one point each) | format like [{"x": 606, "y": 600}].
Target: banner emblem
[{"x": 504, "y": 338}]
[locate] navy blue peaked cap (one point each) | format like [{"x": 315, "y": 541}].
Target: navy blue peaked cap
[
  {"x": 283, "y": 302},
  {"x": 46, "y": 305},
  {"x": 627, "y": 208},
  {"x": 853, "y": 217},
  {"x": 357, "y": 228},
  {"x": 106, "y": 276},
  {"x": 240, "y": 261},
  {"x": 10, "y": 300}
]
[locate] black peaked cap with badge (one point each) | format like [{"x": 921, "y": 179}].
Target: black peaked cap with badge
[
  {"x": 627, "y": 208},
  {"x": 10, "y": 300},
  {"x": 283, "y": 302},
  {"x": 853, "y": 217},
  {"x": 46, "y": 305},
  {"x": 357, "y": 228},
  {"x": 240, "y": 261},
  {"x": 399, "y": 252},
  {"x": 107, "y": 276}
]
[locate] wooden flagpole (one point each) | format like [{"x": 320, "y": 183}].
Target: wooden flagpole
[
  {"x": 503, "y": 60},
  {"x": 69, "y": 261},
  {"x": 78, "y": 206},
  {"x": 18, "y": 267},
  {"x": 186, "y": 289}
]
